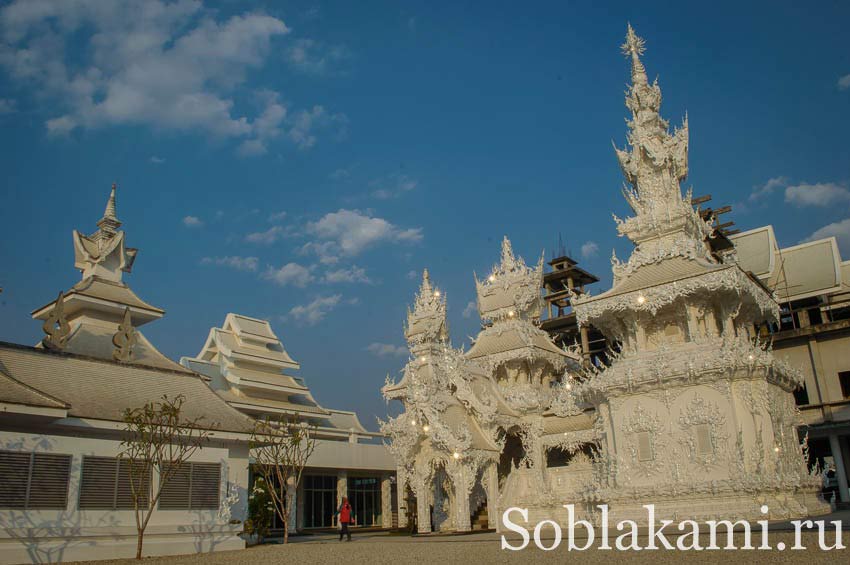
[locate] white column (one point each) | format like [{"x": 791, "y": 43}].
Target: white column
[
  {"x": 301, "y": 501},
  {"x": 462, "y": 484},
  {"x": 423, "y": 505},
  {"x": 401, "y": 497},
  {"x": 840, "y": 467},
  {"x": 291, "y": 505},
  {"x": 341, "y": 490},
  {"x": 386, "y": 502},
  {"x": 492, "y": 474}
]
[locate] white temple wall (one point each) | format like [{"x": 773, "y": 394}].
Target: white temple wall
[{"x": 36, "y": 536}]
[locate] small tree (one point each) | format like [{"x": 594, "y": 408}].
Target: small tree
[
  {"x": 158, "y": 441},
  {"x": 281, "y": 449},
  {"x": 260, "y": 510}
]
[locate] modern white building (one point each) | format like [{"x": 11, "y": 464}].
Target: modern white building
[
  {"x": 246, "y": 363},
  {"x": 812, "y": 284},
  {"x": 64, "y": 495}
]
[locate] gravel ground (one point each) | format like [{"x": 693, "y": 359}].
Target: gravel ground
[{"x": 381, "y": 548}]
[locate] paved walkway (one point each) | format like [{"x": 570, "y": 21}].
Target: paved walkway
[{"x": 380, "y": 548}]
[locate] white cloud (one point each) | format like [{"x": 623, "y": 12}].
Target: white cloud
[
  {"x": 352, "y": 231},
  {"x": 326, "y": 251},
  {"x": 353, "y": 274},
  {"x": 192, "y": 222},
  {"x": 291, "y": 273},
  {"x": 819, "y": 194},
  {"x": 7, "y": 106},
  {"x": 844, "y": 82},
  {"x": 157, "y": 160},
  {"x": 386, "y": 350},
  {"x": 304, "y": 122},
  {"x": 171, "y": 66},
  {"x": 266, "y": 237},
  {"x": 392, "y": 187},
  {"x": 471, "y": 308},
  {"x": 412, "y": 275},
  {"x": 840, "y": 230},
  {"x": 589, "y": 249},
  {"x": 277, "y": 216},
  {"x": 234, "y": 262},
  {"x": 767, "y": 188},
  {"x": 315, "y": 311},
  {"x": 313, "y": 57}
]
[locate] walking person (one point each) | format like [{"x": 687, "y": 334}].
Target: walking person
[{"x": 346, "y": 517}]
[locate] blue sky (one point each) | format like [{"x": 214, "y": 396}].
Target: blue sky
[{"x": 302, "y": 161}]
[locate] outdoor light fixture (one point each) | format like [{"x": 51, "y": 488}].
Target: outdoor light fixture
[
  {"x": 437, "y": 293},
  {"x": 511, "y": 314},
  {"x": 776, "y": 449},
  {"x": 426, "y": 428},
  {"x": 641, "y": 299},
  {"x": 492, "y": 278},
  {"x": 456, "y": 455},
  {"x": 750, "y": 357}
]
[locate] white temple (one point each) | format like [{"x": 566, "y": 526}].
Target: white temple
[{"x": 693, "y": 414}]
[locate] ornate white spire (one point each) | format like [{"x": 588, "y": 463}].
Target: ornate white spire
[
  {"x": 512, "y": 290},
  {"x": 426, "y": 323},
  {"x": 103, "y": 253},
  {"x": 654, "y": 164}
]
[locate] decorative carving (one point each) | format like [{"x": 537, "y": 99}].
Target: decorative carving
[
  {"x": 56, "y": 327},
  {"x": 124, "y": 339}
]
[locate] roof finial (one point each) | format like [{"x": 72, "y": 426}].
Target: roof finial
[
  {"x": 634, "y": 47},
  {"x": 109, "y": 223}
]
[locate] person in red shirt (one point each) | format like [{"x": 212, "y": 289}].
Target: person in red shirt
[{"x": 346, "y": 517}]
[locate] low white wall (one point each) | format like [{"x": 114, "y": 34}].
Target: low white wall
[{"x": 49, "y": 536}]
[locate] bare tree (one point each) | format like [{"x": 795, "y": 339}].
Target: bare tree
[
  {"x": 281, "y": 449},
  {"x": 158, "y": 441}
]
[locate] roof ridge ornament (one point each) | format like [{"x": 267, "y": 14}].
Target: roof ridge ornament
[
  {"x": 56, "y": 327},
  {"x": 124, "y": 339}
]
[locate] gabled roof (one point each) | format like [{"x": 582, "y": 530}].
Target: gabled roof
[
  {"x": 801, "y": 271},
  {"x": 756, "y": 250},
  {"x": 101, "y": 390}
]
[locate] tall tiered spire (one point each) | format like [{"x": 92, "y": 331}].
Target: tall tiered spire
[{"x": 654, "y": 164}]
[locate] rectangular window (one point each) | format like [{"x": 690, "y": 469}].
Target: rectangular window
[
  {"x": 34, "y": 480},
  {"x": 844, "y": 379},
  {"x": 704, "y": 442},
  {"x": 193, "y": 486},
  {"x": 105, "y": 484},
  {"x": 644, "y": 446},
  {"x": 320, "y": 500},
  {"x": 364, "y": 494}
]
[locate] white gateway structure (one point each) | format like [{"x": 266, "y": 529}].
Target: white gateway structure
[{"x": 694, "y": 414}]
